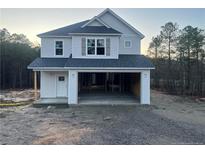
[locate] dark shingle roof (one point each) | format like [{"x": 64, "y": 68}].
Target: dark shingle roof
[
  {"x": 64, "y": 30},
  {"x": 136, "y": 61},
  {"x": 48, "y": 62},
  {"x": 123, "y": 61},
  {"x": 76, "y": 28},
  {"x": 95, "y": 29}
]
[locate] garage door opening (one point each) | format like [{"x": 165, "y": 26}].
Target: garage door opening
[{"x": 109, "y": 88}]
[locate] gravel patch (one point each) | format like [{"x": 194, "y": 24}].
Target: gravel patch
[
  {"x": 160, "y": 123},
  {"x": 96, "y": 125}
]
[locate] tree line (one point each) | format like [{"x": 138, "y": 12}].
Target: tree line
[
  {"x": 178, "y": 56},
  {"x": 16, "y": 52}
]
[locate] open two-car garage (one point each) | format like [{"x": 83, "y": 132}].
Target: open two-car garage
[
  {"x": 108, "y": 88},
  {"x": 82, "y": 89}
]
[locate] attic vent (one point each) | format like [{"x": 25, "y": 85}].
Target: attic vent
[
  {"x": 83, "y": 46},
  {"x": 107, "y": 46}
]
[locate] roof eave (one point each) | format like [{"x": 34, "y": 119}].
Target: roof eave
[
  {"x": 51, "y": 36},
  {"x": 91, "y": 68},
  {"x": 111, "y": 68}
]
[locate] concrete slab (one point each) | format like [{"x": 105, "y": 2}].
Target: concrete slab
[
  {"x": 94, "y": 98},
  {"x": 50, "y": 101},
  {"x": 109, "y": 98}
]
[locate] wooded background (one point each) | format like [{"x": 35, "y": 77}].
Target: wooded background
[
  {"x": 178, "y": 56},
  {"x": 16, "y": 53}
]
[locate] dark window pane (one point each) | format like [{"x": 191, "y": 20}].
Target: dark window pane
[
  {"x": 59, "y": 51},
  {"x": 100, "y": 42},
  {"x": 91, "y": 50},
  {"x": 91, "y": 42},
  {"x": 59, "y": 47},
  {"x": 100, "y": 51},
  {"x": 61, "y": 78},
  {"x": 59, "y": 44}
]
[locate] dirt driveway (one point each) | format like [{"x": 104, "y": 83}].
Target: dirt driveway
[{"x": 170, "y": 120}]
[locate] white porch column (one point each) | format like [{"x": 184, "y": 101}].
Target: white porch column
[
  {"x": 72, "y": 87},
  {"x": 35, "y": 85},
  {"x": 145, "y": 87}
]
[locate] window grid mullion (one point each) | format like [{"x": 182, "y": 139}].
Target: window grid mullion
[{"x": 95, "y": 47}]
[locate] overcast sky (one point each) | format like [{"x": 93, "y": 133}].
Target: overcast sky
[{"x": 148, "y": 21}]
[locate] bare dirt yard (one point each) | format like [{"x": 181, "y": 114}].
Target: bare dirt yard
[
  {"x": 169, "y": 120},
  {"x": 17, "y": 97}
]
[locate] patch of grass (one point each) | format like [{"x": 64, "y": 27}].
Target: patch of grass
[{"x": 13, "y": 104}]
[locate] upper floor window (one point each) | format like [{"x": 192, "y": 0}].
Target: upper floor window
[
  {"x": 95, "y": 46},
  {"x": 59, "y": 48},
  {"x": 91, "y": 46},
  {"x": 127, "y": 44},
  {"x": 100, "y": 47}
]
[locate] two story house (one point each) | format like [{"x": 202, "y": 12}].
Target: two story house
[{"x": 93, "y": 59}]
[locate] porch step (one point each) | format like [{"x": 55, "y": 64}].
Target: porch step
[{"x": 49, "y": 101}]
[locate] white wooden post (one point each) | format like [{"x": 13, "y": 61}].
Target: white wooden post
[
  {"x": 35, "y": 85},
  {"x": 145, "y": 87},
  {"x": 72, "y": 87}
]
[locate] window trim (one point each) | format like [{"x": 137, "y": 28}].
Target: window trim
[
  {"x": 95, "y": 38},
  {"x": 86, "y": 46},
  {"x": 55, "y": 48},
  {"x": 130, "y": 43}
]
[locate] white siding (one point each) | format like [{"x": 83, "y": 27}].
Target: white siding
[
  {"x": 77, "y": 53},
  {"x": 135, "y": 45},
  {"x": 116, "y": 24},
  {"x": 128, "y": 34},
  {"x": 48, "y": 47},
  {"x": 48, "y": 83}
]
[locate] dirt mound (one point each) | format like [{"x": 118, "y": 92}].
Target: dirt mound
[{"x": 9, "y": 96}]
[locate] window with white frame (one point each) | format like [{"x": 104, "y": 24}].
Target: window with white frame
[
  {"x": 95, "y": 46},
  {"x": 58, "y": 48},
  {"x": 100, "y": 47},
  {"x": 127, "y": 44},
  {"x": 91, "y": 46}
]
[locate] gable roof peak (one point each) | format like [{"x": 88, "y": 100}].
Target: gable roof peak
[
  {"x": 98, "y": 19},
  {"x": 122, "y": 20}
]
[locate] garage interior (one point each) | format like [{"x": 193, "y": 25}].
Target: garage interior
[{"x": 108, "y": 88}]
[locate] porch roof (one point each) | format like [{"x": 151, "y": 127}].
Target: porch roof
[{"x": 124, "y": 61}]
